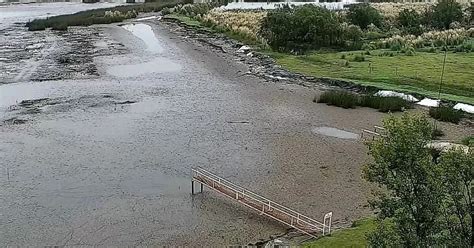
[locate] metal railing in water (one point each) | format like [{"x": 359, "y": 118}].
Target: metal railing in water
[{"x": 265, "y": 206}]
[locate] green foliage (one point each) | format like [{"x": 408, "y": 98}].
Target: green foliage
[
  {"x": 445, "y": 13},
  {"x": 302, "y": 28},
  {"x": 59, "y": 26},
  {"x": 363, "y": 15},
  {"x": 446, "y": 113},
  {"x": 456, "y": 170},
  {"x": 468, "y": 141},
  {"x": 402, "y": 164},
  {"x": 384, "y": 104},
  {"x": 410, "y": 21},
  {"x": 37, "y": 26},
  {"x": 339, "y": 98},
  {"x": 426, "y": 199},
  {"x": 351, "y": 100},
  {"x": 100, "y": 16},
  {"x": 384, "y": 235},
  {"x": 359, "y": 58},
  {"x": 355, "y": 236}
]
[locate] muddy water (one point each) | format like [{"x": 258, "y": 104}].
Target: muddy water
[{"x": 106, "y": 161}]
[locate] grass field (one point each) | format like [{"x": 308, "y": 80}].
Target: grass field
[
  {"x": 419, "y": 73},
  {"x": 350, "y": 237}
]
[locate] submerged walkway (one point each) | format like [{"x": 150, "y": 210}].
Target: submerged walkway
[{"x": 259, "y": 203}]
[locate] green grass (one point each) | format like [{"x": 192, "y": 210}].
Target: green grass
[
  {"x": 417, "y": 74},
  {"x": 350, "y": 237},
  {"x": 185, "y": 20}
]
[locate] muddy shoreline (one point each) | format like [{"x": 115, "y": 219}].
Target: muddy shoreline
[{"x": 106, "y": 160}]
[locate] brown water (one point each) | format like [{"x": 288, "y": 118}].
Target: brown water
[{"x": 106, "y": 161}]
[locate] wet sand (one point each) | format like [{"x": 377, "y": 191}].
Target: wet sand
[{"x": 107, "y": 161}]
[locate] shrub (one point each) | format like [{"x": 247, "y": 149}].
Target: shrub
[
  {"x": 302, "y": 28},
  {"x": 359, "y": 58},
  {"x": 445, "y": 13},
  {"x": 385, "y": 104},
  {"x": 468, "y": 141},
  {"x": 410, "y": 21},
  {"x": 368, "y": 47},
  {"x": 446, "y": 114},
  {"x": 351, "y": 100},
  {"x": 59, "y": 26},
  {"x": 363, "y": 14},
  {"x": 339, "y": 98},
  {"x": 353, "y": 33},
  {"x": 36, "y": 27}
]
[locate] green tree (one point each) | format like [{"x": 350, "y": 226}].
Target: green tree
[
  {"x": 302, "y": 28},
  {"x": 410, "y": 21},
  {"x": 446, "y": 12},
  {"x": 457, "y": 174},
  {"x": 363, "y": 14},
  {"x": 425, "y": 202},
  {"x": 402, "y": 165}
]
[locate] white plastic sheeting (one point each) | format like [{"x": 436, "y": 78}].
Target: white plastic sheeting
[
  {"x": 388, "y": 93},
  {"x": 464, "y": 107},
  {"x": 427, "y": 102}
]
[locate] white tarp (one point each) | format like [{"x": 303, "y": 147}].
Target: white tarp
[
  {"x": 388, "y": 93},
  {"x": 464, "y": 107},
  {"x": 428, "y": 102}
]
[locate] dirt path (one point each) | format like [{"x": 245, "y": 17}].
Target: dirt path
[{"x": 106, "y": 161}]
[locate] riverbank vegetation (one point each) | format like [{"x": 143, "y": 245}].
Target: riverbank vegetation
[
  {"x": 390, "y": 46},
  {"x": 347, "y": 99},
  {"x": 355, "y": 236},
  {"x": 100, "y": 16}
]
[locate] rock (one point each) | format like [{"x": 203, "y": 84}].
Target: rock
[{"x": 244, "y": 49}]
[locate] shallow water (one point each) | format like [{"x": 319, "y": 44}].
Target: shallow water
[
  {"x": 146, "y": 34},
  {"x": 334, "y": 132},
  {"x": 106, "y": 161},
  {"x": 158, "y": 65}
]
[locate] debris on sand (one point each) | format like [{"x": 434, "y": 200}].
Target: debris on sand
[{"x": 14, "y": 121}]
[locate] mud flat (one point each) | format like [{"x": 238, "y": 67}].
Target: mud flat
[{"x": 106, "y": 161}]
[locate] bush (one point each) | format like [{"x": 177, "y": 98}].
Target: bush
[
  {"x": 447, "y": 114},
  {"x": 339, "y": 98},
  {"x": 359, "y": 58},
  {"x": 468, "y": 141},
  {"x": 410, "y": 21},
  {"x": 302, "y": 28},
  {"x": 445, "y": 13},
  {"x": 384, "y": 104},
  {"x": 351, "y": 100},
  {"x": 353, "y": 35},
  {"x": 59, "y": 26},
  {"x": 37, "y": 27},
  {"x": 363, "y": 15}
]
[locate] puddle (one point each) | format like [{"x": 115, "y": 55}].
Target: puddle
[
  {"x": 158, "y": 65},
  {"x": 146, "y": 34},
  {"x": 334, "y": 132}
]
